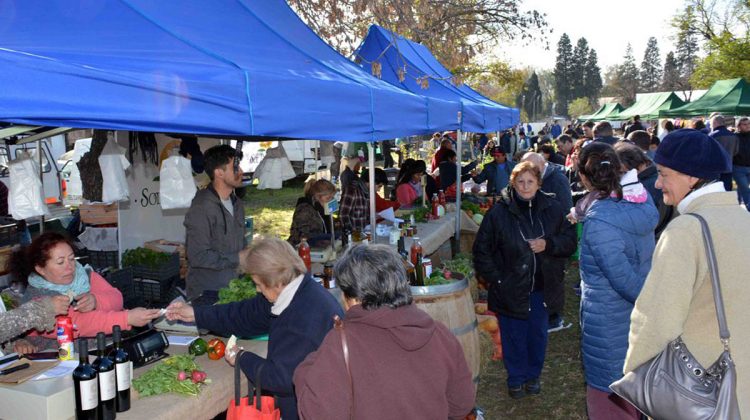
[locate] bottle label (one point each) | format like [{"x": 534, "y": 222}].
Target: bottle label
[
  {"x": 107, "y": 385},
  {"x": 332, "y": 283},
  {"x": 89, "y": 394},
  {"x": 123, "y": 375}
]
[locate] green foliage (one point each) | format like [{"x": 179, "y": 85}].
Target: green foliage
[
  {"x": 686, "y": 55},
  {"x": 622, "y": 79},
  {"x": 145, "y": 257},
  {"x": 728, "y": 58},
  {"x": 239, "y": 289},
  {"x": 8, "y": 301},
  {"x": 496, "y": 80},
  {"x": 461, "y": 263},
  {"x": 580, "y": 106},
  {"x": 162, "y": 378},
  {"x": 530, "y": 98},
  {"x": 671, "y": 74},
  {"x": 651, "y": 70},
  {"x": 577, "y": 74},
  {"x": 564, "y": 72}
]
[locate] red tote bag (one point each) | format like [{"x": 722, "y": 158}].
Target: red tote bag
[{"x": 251, "y": 407}]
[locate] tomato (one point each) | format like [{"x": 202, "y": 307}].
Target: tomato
[
  {"x": 198, "y": 347},
  {"x": 216, "y": 349}
]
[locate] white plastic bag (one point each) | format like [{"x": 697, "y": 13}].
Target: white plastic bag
[
  {"x": 176, "y": 185},
  {"x": 113, "y": 164},
  {"x": 26, "y": 195}
]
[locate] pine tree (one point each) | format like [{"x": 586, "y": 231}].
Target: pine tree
[
  {"x": 627, "y": 75},
  {"x": 563, "y": 77},
  {"x": 651, "y": 71},
  {"x": 593, "y": 76},
  {"x": 531, "y": 97},
  {"x": 671, "y": 80},
  {"x": 577, "y": 69},
  {"x": 687, "y": 45}
]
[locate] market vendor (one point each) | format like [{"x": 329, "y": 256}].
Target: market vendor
[
  {"x": 309, "y": 219},
  {"x": 215, "y": 225},
  {"x": 291, "y": 308},
  {"x": 49, "y": 268},
  {"x": 409, "y": 183},
  {"x": 496, "y": 173},
  {"x": 381, "y": 180},
  {"x": 448, "y": 173}
]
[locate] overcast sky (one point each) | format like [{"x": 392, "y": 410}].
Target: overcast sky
[{"x": 607, "y": 25}]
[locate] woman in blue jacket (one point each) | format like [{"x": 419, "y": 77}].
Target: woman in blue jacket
[{"x": 616, "y": 247}]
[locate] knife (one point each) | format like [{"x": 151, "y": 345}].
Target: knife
[{"x": 14, "y": 369}]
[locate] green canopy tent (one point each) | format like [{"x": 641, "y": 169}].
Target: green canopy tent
[
  {"x": 586, "y": 117},
  {"x": 607, "y": 112},
  {"x": 730, "y": 97},
  {"x": 649, "y": 105}
]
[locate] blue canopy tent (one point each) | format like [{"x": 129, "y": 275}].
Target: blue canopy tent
[
  {"x": 404, "y": 63},
  {"x": 211, "y": 67}
]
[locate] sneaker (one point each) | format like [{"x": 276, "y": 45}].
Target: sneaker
[
  {"x": 559, "y": 325},
  {"x": 533, "y": 387},
  {"x": 517, "y": 392}
]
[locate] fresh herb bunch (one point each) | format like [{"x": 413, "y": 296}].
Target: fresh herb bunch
[
  {"x": 461, "y": 263},
  {"x": 145, "y": 257},
  {"x": 8, "y": 301},
  {"x": 436, "y": 278},
  {"x": 238, "y": 289},
  {"x": 420, "y": 214},
  {"x": 163, "y": 377}
]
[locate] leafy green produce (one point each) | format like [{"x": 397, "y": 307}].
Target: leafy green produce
[
  {"x": 461, "y": 263},
  {"x": 8, "y": 301},
  {"x": 238, "y": 289},
  {"x": 436, "y": 278},
  {"x": 467, "y": 205},
  {"x": 420, "y": 214},
  {"x": 146, "y": 257},
  {"x": 164, "y": 377}
]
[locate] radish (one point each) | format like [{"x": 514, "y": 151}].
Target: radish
[
  {"x": 181, "y": 375},
  {"x": 447, "y": 274},
  {"x": 198, "y": 376}
]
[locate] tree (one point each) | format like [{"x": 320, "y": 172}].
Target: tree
[
  {"x": 651, "y": 71},
  {"x": 580, "y": 106},
  {"x": 530, "y": 98},
  {"x": 592, "y": 75},
  {"x": 547, "y": 86},
  {"x": 563, "y": 73},
  {"x": 671, "y": 77},
  {"x": 622, "y": 80},
  {"x": 578, "y": 69},
  {"x": 687, "y": 45},
  {"x": 454, "y": 30},
  {"x": 498, "y": 81}
]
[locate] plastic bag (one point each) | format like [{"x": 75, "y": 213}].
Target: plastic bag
[
  {"x": 176, "y": 185},
  {"x": 113, "y": 164},
  {"x": 26, "y": 195}
]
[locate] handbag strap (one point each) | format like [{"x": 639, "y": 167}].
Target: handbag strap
[
  {"x": 250, "y": 386},
  {"x": 714, "y": 271},
  {"x": 339, "y": 325},
  {"x": 237, "y": 387},
  {"x": 257, "y": 386}
]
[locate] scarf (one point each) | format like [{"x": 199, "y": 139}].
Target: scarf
[
  {"x": 78, "y": 286},
  {"x": 286, "y": 295}
]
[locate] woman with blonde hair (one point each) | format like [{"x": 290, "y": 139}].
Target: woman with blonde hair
[
  {"x": 309, "y": 219},
  {"x": 291, "y": 308},
  {"x": 520, "y": 251}
]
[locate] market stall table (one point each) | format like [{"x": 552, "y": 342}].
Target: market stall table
[{"x": 53, "y": 399}]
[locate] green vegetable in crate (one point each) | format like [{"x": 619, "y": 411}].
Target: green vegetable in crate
[
  {"x": 461, "y": 263},
  {"x": 420, "y": 214},
  {"x": 238, "y": 289},
  {"x": 145, "y": 257},
  {"x": 8, "y": 302},
  {"x": 436, "y": 278},
  {"x": 171, "y": 375}
]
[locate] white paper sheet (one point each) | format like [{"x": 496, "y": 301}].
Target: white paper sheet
[
  {"x": 180, "y": 340},
  {"x": 65, "y": 368},
  {"x": 389, "y": 215}
]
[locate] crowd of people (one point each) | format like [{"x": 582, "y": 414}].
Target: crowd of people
[{"x": 644, "y": 278}]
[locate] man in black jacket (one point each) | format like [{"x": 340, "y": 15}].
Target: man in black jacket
[{"x": 741, "y": 161}]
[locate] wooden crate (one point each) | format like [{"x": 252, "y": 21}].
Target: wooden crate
[
  {"x": 5, "y": 253},
  {"x": 99, "y": 214}
]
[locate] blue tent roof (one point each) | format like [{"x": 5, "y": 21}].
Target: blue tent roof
[
  {"x": 394, "y": 52},
  {"x": 215, "y": 67}
]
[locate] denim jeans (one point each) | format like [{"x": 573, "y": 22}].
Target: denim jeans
[{"x": 741, "y": 175}]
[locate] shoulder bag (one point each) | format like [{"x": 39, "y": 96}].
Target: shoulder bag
[
  {"x": 673, "y": 385},
  {"x": 249, "y": 408}
]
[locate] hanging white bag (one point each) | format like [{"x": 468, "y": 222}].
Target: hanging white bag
[
  {"x": 26, "y": 195},
  {"x": 176, "y": 184},
  {"x": 113, "y": 164}
]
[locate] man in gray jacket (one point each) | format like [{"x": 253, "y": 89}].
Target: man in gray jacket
[{"x": 215, "y": 225}]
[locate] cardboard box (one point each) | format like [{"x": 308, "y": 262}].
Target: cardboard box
[{"x": 99, "y": 214}]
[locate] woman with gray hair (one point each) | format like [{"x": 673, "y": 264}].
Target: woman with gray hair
[
  {"x": 385, "y": 344},
  {"x": 291, "y": 308}
]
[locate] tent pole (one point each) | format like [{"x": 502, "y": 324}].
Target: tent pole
[
  {"x": 39, "y": 153},
  {"x": 371, "y": 173},
  {"x": 459, "y": 187}
]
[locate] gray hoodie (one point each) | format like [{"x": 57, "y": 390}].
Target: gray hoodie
[{"x": 213, "y": 241}]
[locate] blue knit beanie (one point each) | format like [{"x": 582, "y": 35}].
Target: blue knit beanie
[{"x": 693, "y": 153}]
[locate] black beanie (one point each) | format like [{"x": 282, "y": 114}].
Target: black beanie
[{"x": 693, "y": 153}]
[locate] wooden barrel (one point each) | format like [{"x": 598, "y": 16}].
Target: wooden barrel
[{"x": 451, "y": 304}]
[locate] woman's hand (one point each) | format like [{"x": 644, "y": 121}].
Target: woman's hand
[
  {"x": 138, "y": 317},
  {"x": 538, "y": 245},
  {"x": 22, "y": 346},
  {"x": 86, "y": 302},
  {"x": 230, "y": 355},
  {"x": 180, "y": 311},
  {"x": 60, "y": 304}
]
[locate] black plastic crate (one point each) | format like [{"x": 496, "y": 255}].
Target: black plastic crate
[
  {"x": 123, "y": 281},
  {"x": 9, "y": 235},
  {"x": 153, "y": 291},
  {"x": 103, "y": 259},
  {"x": 165, "y": 271}
]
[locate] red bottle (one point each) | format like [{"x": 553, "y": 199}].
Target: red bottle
[
  {"x": 416, "y": 250},
  {"x": 435, "y": 205},
  {"x": 65, "y": 337},
  {"x": 304, "y": 252}
]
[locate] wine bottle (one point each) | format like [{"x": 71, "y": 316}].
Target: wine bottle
[
  {"x": 105, "y": 368},
  {"x": 123, "y": 368},
  {"x": 85, "y": 385}
]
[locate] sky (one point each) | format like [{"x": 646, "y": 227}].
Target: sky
[{"x": 607, "y": 25}]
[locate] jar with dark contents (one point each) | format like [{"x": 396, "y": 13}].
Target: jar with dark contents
[{"x": 328, "y": 280}]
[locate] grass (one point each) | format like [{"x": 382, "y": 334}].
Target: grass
[{"x": 563, "y": 391}]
